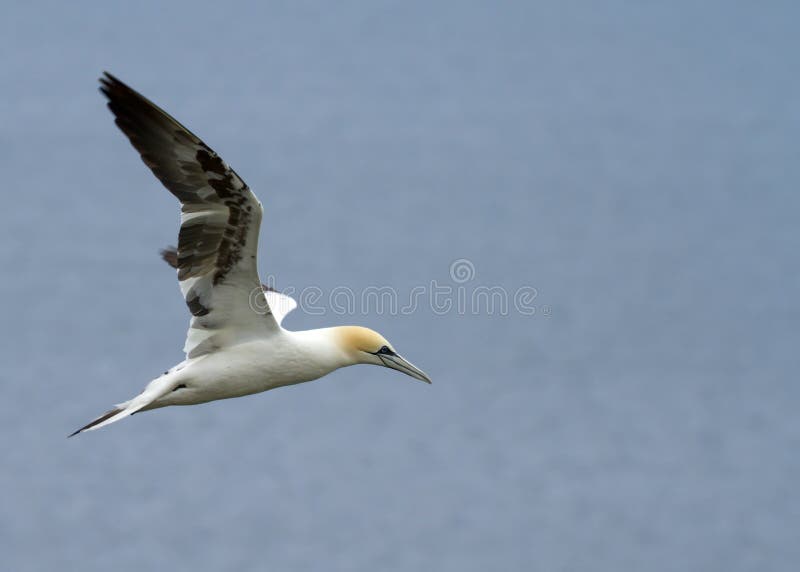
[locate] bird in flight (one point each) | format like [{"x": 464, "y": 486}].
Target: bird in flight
[{"x": 235, "y": 345}]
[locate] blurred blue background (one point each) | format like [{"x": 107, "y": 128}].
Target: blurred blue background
[{"x": 635, "y": 162}]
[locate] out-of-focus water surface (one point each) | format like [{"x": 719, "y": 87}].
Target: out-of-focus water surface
[{"x": 636, "y": 163}]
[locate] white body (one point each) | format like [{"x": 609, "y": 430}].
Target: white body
[
  {"x": 235, "y": 345},
  {"x": 285, "y": 358}
]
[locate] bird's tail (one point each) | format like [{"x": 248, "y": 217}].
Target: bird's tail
[
  {"x": 100, "y": 421},
  {"x": 156, "y": 389}
]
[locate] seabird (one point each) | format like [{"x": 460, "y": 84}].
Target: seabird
[{"x": 236, "y": 345}]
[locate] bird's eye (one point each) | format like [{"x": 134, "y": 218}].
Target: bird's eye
[{"x": 385, "y": 351}]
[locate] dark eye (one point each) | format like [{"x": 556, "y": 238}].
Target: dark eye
[{"x": 385, "y": 351}]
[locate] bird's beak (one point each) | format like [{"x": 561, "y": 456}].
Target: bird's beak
[{"x": 400, "y": 364}]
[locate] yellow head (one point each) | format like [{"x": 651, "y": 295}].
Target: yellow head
[{"x": 368, "y": 346}]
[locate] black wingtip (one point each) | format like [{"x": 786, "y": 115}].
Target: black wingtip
[
  {"x": 115, "y": 89},
  {"x": 108, "y": 79},
  {"x": 110, "y": 82},
  {"x": 107, "y": 84}
]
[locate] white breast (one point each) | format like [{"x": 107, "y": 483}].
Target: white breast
[{"x": 252, "y": 367}]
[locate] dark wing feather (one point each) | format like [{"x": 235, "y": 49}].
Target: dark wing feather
[
  {"x": 220, "y": 219},
  {"x": 279, "y": 303}
]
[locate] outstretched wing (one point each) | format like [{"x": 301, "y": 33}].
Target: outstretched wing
[
  {"x": 279, "y": 303},
  {"x": 220, "y": 219}
]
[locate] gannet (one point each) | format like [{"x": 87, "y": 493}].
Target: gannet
[{"x": 235, "y": 345}]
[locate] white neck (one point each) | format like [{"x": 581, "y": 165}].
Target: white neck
[{"x": 321, "y": 348}]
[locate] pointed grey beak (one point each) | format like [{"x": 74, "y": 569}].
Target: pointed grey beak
[{"x": 400, "y": 364}]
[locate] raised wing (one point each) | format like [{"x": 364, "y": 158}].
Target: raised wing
[
  {"x": 220, "y": 219},
  {"x": 279, "y": 303}
]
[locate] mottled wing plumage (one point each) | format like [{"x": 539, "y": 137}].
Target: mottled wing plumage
[
  {"x": 279, "y": 303},
  {"x": 220, "y": 219}
]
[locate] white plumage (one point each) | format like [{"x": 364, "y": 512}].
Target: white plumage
[{"x": 235, "y": 345}]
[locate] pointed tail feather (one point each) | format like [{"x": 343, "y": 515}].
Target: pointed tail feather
[
  {"x": 104, "y": 417},
  {"x": 154, "y": 390}
]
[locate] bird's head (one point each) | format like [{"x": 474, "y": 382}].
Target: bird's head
[{"x": 363, "y": 345}]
